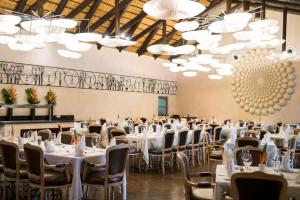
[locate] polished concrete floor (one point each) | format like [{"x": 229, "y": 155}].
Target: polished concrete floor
[{"x": 152, "y": 185}]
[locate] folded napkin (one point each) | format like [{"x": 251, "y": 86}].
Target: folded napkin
[
  {"x": 79, "y": 148},
  {"x": 104, "y": 127},
  {"x": 112, "y": 142},
  {"x": 20, "y": 142},
  {"x": 266, "y": 138},
  {"x": 48, "y": 146},
  {"x": 286, "y": 161},
  {"x": 33, "y": 136},
  {"x": 58, "y": 138},
  {"x": 229, "y": 162}
]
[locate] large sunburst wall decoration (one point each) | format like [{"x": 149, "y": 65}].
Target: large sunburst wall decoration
[{"x": 262, "y": 86}]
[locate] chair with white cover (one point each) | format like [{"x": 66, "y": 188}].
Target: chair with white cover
[
  {"x": 165, "y": 152},
  {"x": 194, "y": 147},
  {"x": 66, "y": 137},
  {"x": 196, "y": 190},
  {"x": 45, "y": 134},
  {"x": 247, "y": 141},
  {"x": 255, "y": 152}
]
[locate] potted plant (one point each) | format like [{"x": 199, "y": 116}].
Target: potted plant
[
  {"x": 32, "y": 96},
  {"x": 51, "y": 97},
  {"x": 9, "y": 95},
  {"x": 263, "y": 159}
]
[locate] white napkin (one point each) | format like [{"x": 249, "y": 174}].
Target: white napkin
[
  {"x": 151, "y": 129},
  {"x": 267, "y": 138},
  {"x": 286, "y": 161},
  {"x": 136, "y": 129},
  {"x": 20, "y": 142},
  {"x": 48, "y": 147},
  {"x": 104, "y": 127},
  {"x": 286, "y": 139},
  {"x": 233, "y": 134},
  {"x": 79, "y": 148},
  {"x": 229, "y": 162},
  {"x": 58, "y": 138},
  {"x": 33, "y": 136},
  {"x": 112, "y": 142}
]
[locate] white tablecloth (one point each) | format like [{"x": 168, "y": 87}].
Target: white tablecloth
[
  {"x": 223, "y": 183},
  {"x": 270, "y": 149},
  {"x": 153, "y": 141},
  {"x": 65, "y": 154}
]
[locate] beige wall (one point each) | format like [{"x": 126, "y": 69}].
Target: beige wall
[
  {"x": 84, "y": 103},
  {"x": 202, "y": 97}
]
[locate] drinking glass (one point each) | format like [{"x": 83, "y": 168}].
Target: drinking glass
[
  {"x": 247, "y": 159},
  {"x": 95, "y": 141},
  {"x": 242, "y": 133},
  {"x": 53, "y": 137},
  {"x": 39, "y": 140}
]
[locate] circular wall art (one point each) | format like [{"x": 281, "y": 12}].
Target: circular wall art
[{"x": 262, "y": 86}]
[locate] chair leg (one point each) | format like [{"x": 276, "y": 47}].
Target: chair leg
[
  {"x": 4, "y": 189},
  {"x": 193, "y": 157},
  {"x": 198, "y": 155},
  {"x": 29, "y": 193},
  {"x": 106, "y": 192},
  {"x": 42, "y": 194},
  {"x": 17, "y": 190},
  {"x": 163, "y": 164}
]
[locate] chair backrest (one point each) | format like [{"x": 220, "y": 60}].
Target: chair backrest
[
  {"x": 88, "y": 138},
  {"x": 296, "y": 131},
  {"x": 102, "y": 121},
  {"x": 255, "y": 154},
  {"x": 154, "y": 127},
  {"x": 293, "y": 142},
  {"x": 34, "y": 157},
  {"x": 262, "y": 133},
  {"x": 196, "y": 136},
  {"x": 127, "y": 129},
  {"x": 168, "y": 140},
  {"x": 10, "y": 156},
  {"x": 116, "y": 159},
  {"x": 206, "y": 138},
  {"x": 108, "y": 130},
  {"x": 258, "y": 185},
  {"x": 143, "y": 119},
  {"x": 182, "y": 137},
  {"x": 117, "y": 132},
  {"x": 95, "y": 129},
  {"x": 190, "y": 125},
  {"x": 66, "y": 137},
  {"x": 217, "y": 133},
  {"x": 208, "y": 129},
  {"x": 45, "y": 134},
  {"x": 247, "y": 141},
  {"x": 141, "y": 127},
  {"x": 184, "y": 160}
]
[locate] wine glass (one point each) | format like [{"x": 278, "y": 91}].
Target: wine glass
[
  {"x": 242, "y": 133},
  {"x": 276, "y": 161},
  {"x": 247, "y": 158},
  {"x": 95, "y": 141}
]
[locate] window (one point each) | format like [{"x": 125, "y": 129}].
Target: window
[{"x": 162, "y": 106}]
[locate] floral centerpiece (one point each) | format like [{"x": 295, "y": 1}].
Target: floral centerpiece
[
  {"x": 9, "y": 95},
  {"x": 32, "y": 96},
  {"x": 76, "y": 136},
  {"x": 51, "y": 97}
]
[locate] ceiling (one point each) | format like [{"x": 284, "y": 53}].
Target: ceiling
[{"x": 142, "y": 28}]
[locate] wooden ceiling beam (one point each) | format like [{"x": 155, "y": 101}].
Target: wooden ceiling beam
[
  {"x": 134, "y": 21},
  {"x": 144, "y": 46},
  {"x": 36, "y": 6},
  {"x": 166, "y": 40},
  {"x": 60, "y": 7},
  {"x": 79, "y": 8},
  {"x": 20, "y": 6},
  {"x": 145, "y": 31},
  {"x": 107, "y": 16},
  {"x": 130, "y": 33},
  {"x": 89, "y": 15}
]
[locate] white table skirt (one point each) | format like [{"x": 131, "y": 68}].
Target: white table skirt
[
  {"x": 153, "y": 141},
  {"x": 65, "y": 154},
  {"x": 271, "y": 147},
  {"x": 223, "y": 183}
]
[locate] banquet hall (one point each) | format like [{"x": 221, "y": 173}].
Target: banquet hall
[{"x": 150, "y": 99}]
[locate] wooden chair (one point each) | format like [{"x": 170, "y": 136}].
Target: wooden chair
[
  {"x": 116, "y": 133},
  {"x": 102, "y": 121},
  {"x": 247, "y": 141},
  {"x": 95, "y": 129},
  {"x": 45, "y": 134},
  {"x": 14, "y": 168},
  {"x": 167, "y": 126},
  {"x": 193, "y": 148},
  {"x": 127, "y": 129},
  {"x": 195, "y": 190},
  {"x": 255, "y": 154},
  {"x": 181, "y": 144},
  {"x": 109, "y": 175},
  {"x": 217, "y": 138},
  {"x": 165, "y": 151},
  {"x": 66, "y": 137},
  {"x": 42, "y": 176},
  {"x": 212, "y": 152},
  {"x": 258, "y": 185}
]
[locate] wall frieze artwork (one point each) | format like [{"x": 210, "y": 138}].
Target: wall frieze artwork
[
  {"x": 262, "y": 86},
  {"x": 38, "y": 75}
]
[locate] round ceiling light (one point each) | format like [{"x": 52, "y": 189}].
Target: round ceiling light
[
  {"x": 179, "y": 61},
  {"x": 224, "y": 26},
  {"x": 162, "y": 49},
  {"x": 6, "y": 28},
  {"x": 214, "y": 77},
  {"x": 68, "y": 54},
  {"x": 7, "y": 39},
  {"x": 170, "y": 64},
  {"x": 186, "y": 26},
  {"x": 224, "y": 72},
  {"x": 173, "y": 9},
  {"x": 194, "y": 35},
  {"x": 190, "y": 73},
  {"x": 222, "y": 65},
  {"x": 202, "y": 59},
  {"x": 88, "y": 37},
  {"x": 114, "y": 42},
  {"x": 78, "y": 46},
  {"x": 19, "y": 46},
  {"x": 66, "y": 38},
  {"x": 10, "y": 19},
  {"x": 262, "y": 24},
  {"x": 238, "y": 16},
  {"x": 204, "y": 39},
  {"x": 185, "y": 49}
]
